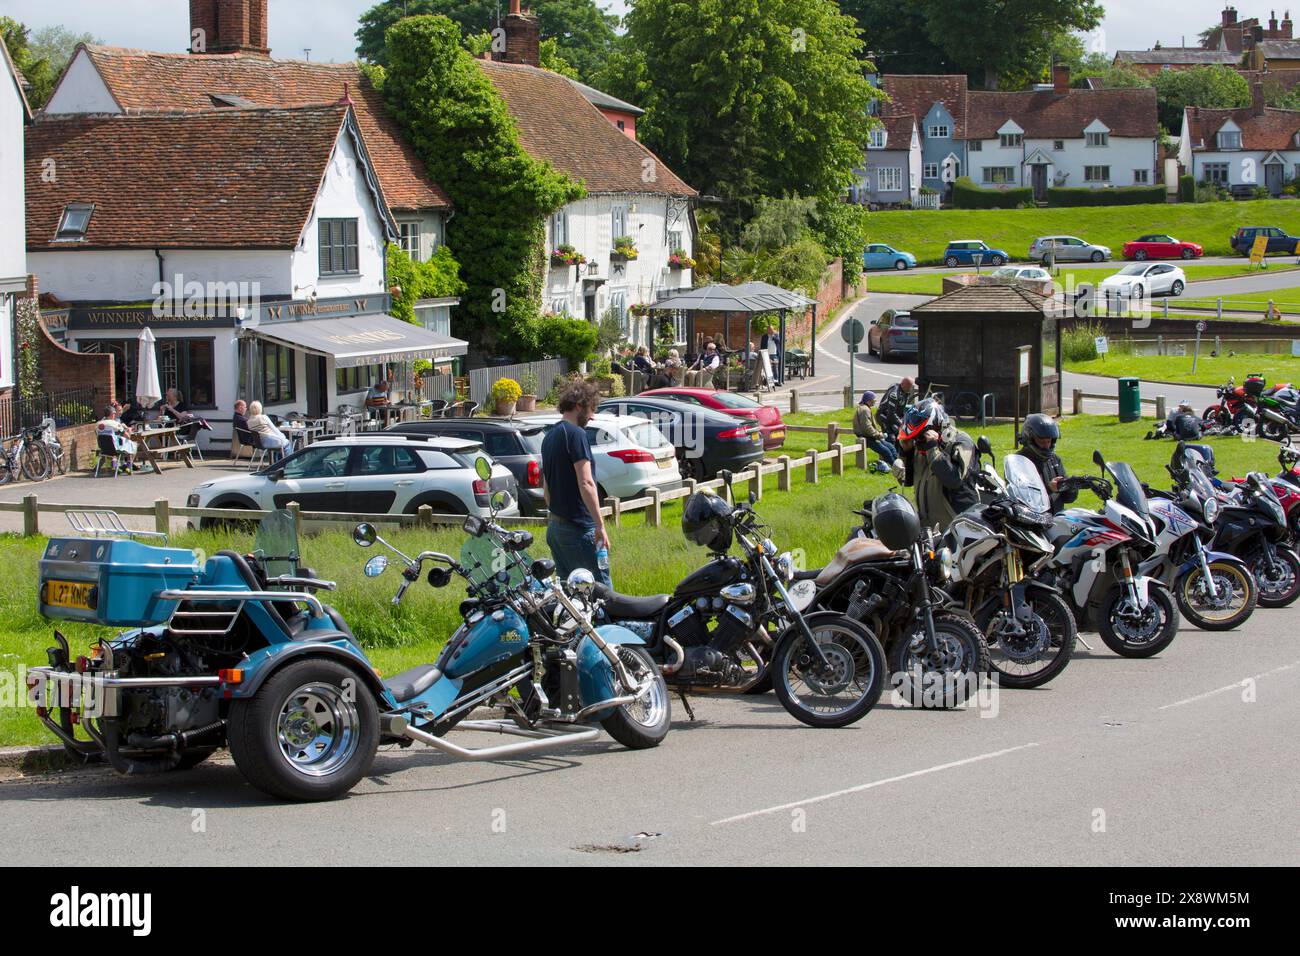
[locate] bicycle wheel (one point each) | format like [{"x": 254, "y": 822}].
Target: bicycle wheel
[
  {"x": 6, "y": 466},
  {"x": 35, "y": 459}
]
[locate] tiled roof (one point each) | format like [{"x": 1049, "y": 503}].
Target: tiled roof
[
  {"x": 1044, "y": 114},
  {"x": 19, "y": 80},
  {"x": 216, "y": 179},
  {"x": 898, "y": 130},
  {"x": 143, "y": 80},
  {"x": 557, "y": 124},
  {"x": 916, "y": 93},
  {"x": 1274, "y": 81},
  {"x": 1273, "y": 129},
  {"x": 1179, "y": 56},
  {"x": 1280, "y": 49},
  {"x": 601, "y": 98},
  {"x": 986, "y": 298}
]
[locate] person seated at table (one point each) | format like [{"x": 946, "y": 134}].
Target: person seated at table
[
  {"x": 111, "y": 425},
  {"x": 130, "y": 414},
  {"x": 377, "y": 395},
  {"x": 641, "y": 361},
  {"x": 172, "y": 405},
  {"x": 270, "y": 437},
  {"x": 708, "y": 362}
]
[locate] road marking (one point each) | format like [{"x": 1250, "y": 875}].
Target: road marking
[
  {"x": 1225, "y": 689},
  {"x": 872, "y": 785}
]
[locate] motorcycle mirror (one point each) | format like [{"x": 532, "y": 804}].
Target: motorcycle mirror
[
  {"x": 985, "y": 448},
  {"x": 376, "y": 566},
  {"x": 498, "y": 501},
  {"x": 365, "y": 535},
  {"x": 439, "y": 577},
  {"x": 1098, "y": 459},
  {"x": 726, "y": 477},
  {"x": 752, "y": 497},
  {"x": 543, "y": 568},
  {"x": 482, "y": 468}
]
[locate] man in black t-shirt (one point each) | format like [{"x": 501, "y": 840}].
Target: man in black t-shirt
[{"x": 575, "y": 528}]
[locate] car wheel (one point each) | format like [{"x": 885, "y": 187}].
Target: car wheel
[
  {"x": 1177, "y": 287},
  {"x": 951, "y": 262},
  {"x": 1138, "y": 292},
  {"x": 1140, "y": 255},
  {"x": 1097, "y": 256},
  {"x": 1188, "y": 254},
  {"x": 997, "y": 260},
  {"x": 900, "y": 264}
]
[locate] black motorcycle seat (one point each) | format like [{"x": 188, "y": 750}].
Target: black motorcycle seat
[
  {"x": 625, "y": 605},
  {"x": 808, "y": 575},
  {"x": 413, "y": 682}
]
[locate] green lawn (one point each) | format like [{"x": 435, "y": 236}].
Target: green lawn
[
  {"x": 1285, "y": 300},
  {"x": 931, "y": 283},
  {"x": 645, "y": 561},
  {"x": 1178, "y": 368},
  {"x": 925, "y": 234}
]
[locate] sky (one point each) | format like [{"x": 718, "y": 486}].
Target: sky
[{"x": 326, "y": 27}]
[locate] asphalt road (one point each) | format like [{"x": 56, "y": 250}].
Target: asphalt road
[{"x": 1183, "y": 759}]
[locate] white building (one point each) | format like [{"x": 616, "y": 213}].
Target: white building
[
  {"x": 261, "y": 270},
  {"x": 1242, "y": 148},
  {"x": 14, "y": 117}
]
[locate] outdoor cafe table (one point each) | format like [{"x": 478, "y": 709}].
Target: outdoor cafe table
[
  {"x": 402, "y": 412},
  {"x": 152, "y": 445},
  {"x": 302, "y": 434}
]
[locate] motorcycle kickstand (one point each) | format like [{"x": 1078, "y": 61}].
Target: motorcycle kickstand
[
  {"x": 1079, "y": 638},
  {"x": 687, "y": 704}
]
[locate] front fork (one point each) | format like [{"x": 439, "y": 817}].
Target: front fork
[
  {"x": 798, "y": 615},
  {"x": 1210, "y": 587},
  {"x": 1130, "y": 582},
  {"x": 584, "y": 623}
]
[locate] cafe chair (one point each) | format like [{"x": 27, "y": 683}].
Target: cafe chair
[
  {"x": 253, "y": 441},
  {"x": 107, "y": 452}
]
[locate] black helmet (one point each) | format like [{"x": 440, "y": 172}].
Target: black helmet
[
  {"x": 894, "y": 522},
  {"x": 1039, "y": 425},
  {"x": 927, "y": 413},
  {"x": 706, "y": 520}
]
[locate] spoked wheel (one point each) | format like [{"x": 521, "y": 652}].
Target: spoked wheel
[
  {"x": 35, "y": 461},
  {"x": 1131, "y": 631},
  {"x": 1246, "y": 423},
  {"x": 835, "y": 693},
  {"x": 1233, "y": 601},
  {"x": 945, "y": 675},
  {"x": 1030, "y": 653},
  {"x": 1279, "y": 579},
  {"x": 1273, "y": 431},
  {"x": 644, "y": 722}
]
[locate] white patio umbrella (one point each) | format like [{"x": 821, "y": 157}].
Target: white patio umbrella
[{"x": 147, "y": 389}]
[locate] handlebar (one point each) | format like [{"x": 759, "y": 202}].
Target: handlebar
[{"x": 1100, "y": 487}]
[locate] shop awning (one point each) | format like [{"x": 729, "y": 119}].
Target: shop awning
[{"x": 371, "y": 339}]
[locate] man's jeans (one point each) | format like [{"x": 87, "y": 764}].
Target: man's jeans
[
  {"x": 884, "y": 449},
  {"x": 573, "y": 546}
]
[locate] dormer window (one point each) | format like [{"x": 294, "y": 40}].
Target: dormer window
[
  {"x": 1012, "y": 140},
  {"x": 1230, "y": 139},
  {"x": 877, "y": 139},
  {"x": 1097, "y": 139},
  {"x": 75, "y": 221}
]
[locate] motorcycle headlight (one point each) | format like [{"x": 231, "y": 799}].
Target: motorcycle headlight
[
  {"x": 945, "y": 563},
  {"x": 769, "y": 546},
  {"x": 1211, "y": 510},
  {"x": 785, "y": 566}
]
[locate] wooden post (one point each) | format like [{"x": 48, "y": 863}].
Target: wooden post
[
  {"x": 1078, "y": 401},
  {"x": 794, "y": 401},
  {"x": 783, "y": 476},
  {"x": 756, "y": 481},
  {"x": 296, "y": 513},
  {"x": 1160, "y": 408},
  {"x": 832, "y": 434},
  {"x": 1218, "y": 308},
  {"x": 837, "y": 463},
  {"x": 424, "y": 517},
  {"x": 690, "y": 486},
  {"x": 862, "y": 455},
  {"x": 162, "y": 516},
  {"x": 615, "y": 510},
  {"x": 848, "y": 397},
  {"x": 654, "y": 514},
  {"x": 810, "y": 472},
  {"x": 31, "y": 516}
]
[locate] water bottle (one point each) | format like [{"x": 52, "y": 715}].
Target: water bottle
[{"x": 602, "y": 558}]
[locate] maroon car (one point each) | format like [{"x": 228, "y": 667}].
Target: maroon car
[{"x": 729, "y": 403}]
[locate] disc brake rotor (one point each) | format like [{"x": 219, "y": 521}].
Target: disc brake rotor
[
  {"x": 1025, "y": 646},
  {"x": 833, "y": 676}
]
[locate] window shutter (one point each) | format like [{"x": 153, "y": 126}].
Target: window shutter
[
  {"x": 325, "y": 247},
  {"x": 350, "y": 245}
]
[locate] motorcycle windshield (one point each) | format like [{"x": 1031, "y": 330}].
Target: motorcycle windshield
[
  {"x": 483, "y": 558},
  {"x": 1200, "y": 484},
  {"x": 1024, "y": 484},
  {"x": 1128, "y": 490},
  {"x": 276, "y": 544}
]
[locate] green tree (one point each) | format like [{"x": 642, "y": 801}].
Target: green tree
[
  {"x": 438, "y": 278},
  {"x": 1213, "y": 87},
  {"x": 40, "y": 56},
  {"x": 462, "y": 130},
  {"x": 583, "y": 34},
  {"x": 747, "y": 98}
]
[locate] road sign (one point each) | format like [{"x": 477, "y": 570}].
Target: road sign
[
  {"x": 852, "y": 332},
  {"x": 1201, "y": 326},
  {"x": 1103, "y": 346}
]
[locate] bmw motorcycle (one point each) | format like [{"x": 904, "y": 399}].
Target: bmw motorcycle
[
  {"x": 1096, "y": 564},
  {"x": 732, "y": 626}
]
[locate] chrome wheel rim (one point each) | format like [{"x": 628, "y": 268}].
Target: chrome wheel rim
[
  {"x": 833, "y": 688},
  {"x": 647, "y": 710},
  {"x": 1231, "y": 588},
  {"x": 318, "y": 729},
  {"x": 1275, "y": 581}
]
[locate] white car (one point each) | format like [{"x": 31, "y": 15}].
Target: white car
[
  {"x": 379, "y": 473},
  {"x": 1141, "y": 279},
  {"x": 632, "y": 455},
  {"x": 1022, "y": 273}
]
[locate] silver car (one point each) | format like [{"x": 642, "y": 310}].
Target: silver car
[{"x": 1067, "y": 249}]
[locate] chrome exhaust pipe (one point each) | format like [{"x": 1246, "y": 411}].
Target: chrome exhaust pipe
[
  {"x": 398, "y": 726},
  {"x": 679, "y": 657}
]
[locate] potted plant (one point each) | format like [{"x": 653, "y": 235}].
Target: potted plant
[
  {"x": 624, "y": 248},
  {"x": 566, "y": 255},
  {"x": 505, "y": 395},
  {"x": 680, "y": 260},
  {"x": 528, "y": 400}
]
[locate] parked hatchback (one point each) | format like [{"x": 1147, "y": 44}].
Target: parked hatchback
[
  {"x": 380, "y": 473},
  {"x": 731, "y": 403},
  {"x": 892, "y": 335},
  {"x": 963, "y": 252},
  {"x": 1157, "y": 245},
  {"x": 706, "y": 441},
  {"x": 1278, "y": 241},
  {"x": 1066, "y": 249},
  {"x": 631, "y": 455},
  {"x": 880, "y": 256},
  {"x": 515, "y": 443},
  {"x": 1140, "y": 279}
]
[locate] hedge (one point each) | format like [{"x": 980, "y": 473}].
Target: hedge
[
  {"x": 1121, "y": 196},
  {"x": 1187, "y": 188},
  {"x": 966, "y": 195}
]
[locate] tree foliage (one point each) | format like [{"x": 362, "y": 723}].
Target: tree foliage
[
  {"x": 438, "y": 278},
  {"x": 463, "y": 132},
  {"x": 582, "y": 33},
  {"x": 40, "y": 56},
  {"x": 1212, "y": 87}
]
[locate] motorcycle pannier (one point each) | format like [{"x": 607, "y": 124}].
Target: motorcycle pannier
[
  {"x": 112, "y": 581},
  {"x": 1254, "y": 385}
]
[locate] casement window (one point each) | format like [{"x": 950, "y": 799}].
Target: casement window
[
  {"x": 1230, "y": 139},
  {"x": 999, "y": 175},
  {"x": 618, "y": 305},
  {"x": 75, "y": 221},
  {"x": 408, "y": 237},
  {"x": 618, "y": 220},
  {"x": 876, "y": 139},
  {"x": 560, "y": 229},
  {"x": 1058, "y": 144},
  {"x": 975, "y": 145},
  {"x": 1096, "y": 139},
  {"x": 930, "y": 171},
  {"x": 938, "y": 131},
  {"x": 1141, "y": 177},
  {"x": 889, "y": 179},
  {"x": 188, "y": 365},
  {"x": 1216, "y": 173},
  {"x": 1096, "y": 174},
  {"x": 675, "y": 240},
  {"x": 1011, "y": 140},
  {"x": 278, "y": 378},
  {"x": 338, "y": 247},
  {"x": 356, "y": 379}
]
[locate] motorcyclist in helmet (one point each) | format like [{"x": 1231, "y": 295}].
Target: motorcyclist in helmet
[
  {"x": 939, "y": 463},
  {"x": 1038, "y": 438}
]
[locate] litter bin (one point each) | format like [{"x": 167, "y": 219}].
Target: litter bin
[{"x": 1130, "y": 400}]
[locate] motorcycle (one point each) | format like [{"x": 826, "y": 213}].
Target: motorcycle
[
  {"x": 1251, "y": 524},
  {"x": 996, "y": 545},
  {"x": 890, "y": 575},
  {"x": 1094, "y": 566},
  {"x": 731, "y": 626},
  {"x": 1286, "y": 485},
  {"x": 1215, "y": 591},
  {"x": 241, "y": 650}
]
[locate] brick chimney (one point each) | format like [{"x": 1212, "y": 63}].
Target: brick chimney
[
  {"x": 1060, "y": 79},
  {"x": 523, "y": 37},
  {"x": 1229, "y": 16},
  {"x": 229, "y": 26},
  {"x": 1257, "y": 97},
  {"x": 1286, "y": 25},
  {"x": 1272, "y": 21}
]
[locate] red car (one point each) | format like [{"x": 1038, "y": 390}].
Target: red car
[
  {"x": 1158, "y": 246},
  {"x": 729, "y": 403}
]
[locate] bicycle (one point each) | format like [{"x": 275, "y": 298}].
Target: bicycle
[
  {"x": 53, "y": 447},
  {"x": 27, "y": 457}
]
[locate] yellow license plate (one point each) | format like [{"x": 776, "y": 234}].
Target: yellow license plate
[
  {"x": 73, "y": 594},
  {"x": 778, "y": 434},
  {"x": 756, "y": 437},
  {"x": 667, "y": 462}
]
